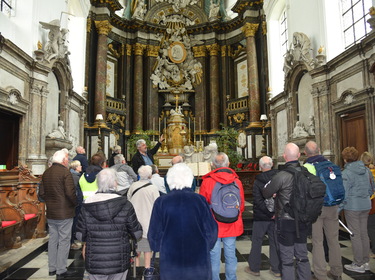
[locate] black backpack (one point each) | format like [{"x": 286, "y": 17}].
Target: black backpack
[{"x": 307, "y": 197}]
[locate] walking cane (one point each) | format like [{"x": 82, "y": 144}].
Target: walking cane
[{"x": 346, "y": 228}]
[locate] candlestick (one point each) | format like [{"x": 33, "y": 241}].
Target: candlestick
[
  {"x": 159, "y": 126},
  {"x": 200, "y": 129},
  {"x": 153, "y": 129}
]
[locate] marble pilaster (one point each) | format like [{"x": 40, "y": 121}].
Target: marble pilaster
[
  {"x": 252, "y": 70},
  {"x": 214, "y": 87},
  {"x": 127, "y": 78},
  {"x": 138, "y": 87},
  {"x": 103, "y": 28}
]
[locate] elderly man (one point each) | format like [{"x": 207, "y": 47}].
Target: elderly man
[
  {"x": 327, "y": 224},
  {"x": 107, "y": 233},
  {"x": 58, "y": 191},
  {"x": 82, "y": 158},
  {"x": 125, "y": 174},
  {"x": 264, "y": 222},
  {"x": 290, "y": 244},
  {"x": 227, "y": 231},
  {"x": 144, "y": 156}
]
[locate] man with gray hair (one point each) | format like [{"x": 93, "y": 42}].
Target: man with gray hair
[
  {"x": 106, "y": 224},
  {"x": 144, "y": 156},
  {"x": 227, "y": 231},
  {"x": 264, "y": 222},
  {"x": 125, "y": 174},
  {"x": 58, "y": 191}
]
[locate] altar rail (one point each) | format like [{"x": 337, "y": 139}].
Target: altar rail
[{"x": 22, "y": 216}]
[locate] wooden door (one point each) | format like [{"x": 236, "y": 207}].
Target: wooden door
[
  {"x": 9, "y": 131},
  {"x": 353, "y": 129}
]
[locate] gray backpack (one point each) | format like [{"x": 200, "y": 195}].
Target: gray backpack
[{"x": 225, "y": 202}]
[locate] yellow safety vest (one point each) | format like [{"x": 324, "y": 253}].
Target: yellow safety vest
[{"x": 88, "y": 189}]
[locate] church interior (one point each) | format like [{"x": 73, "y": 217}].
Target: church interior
[{"x": 244, "y": 77}]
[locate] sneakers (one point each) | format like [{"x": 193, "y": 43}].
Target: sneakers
[
  {"x": 248, "y": 270},
  {"x": 367, "y": 266},
  {"x": 334, "y": 277},
  {"x": 276, "y": 274},
  {"x": 354, "y": 267},
  {"x": 52, "y": 273}
]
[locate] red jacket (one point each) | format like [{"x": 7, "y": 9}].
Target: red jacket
[{"x": 224, "y": 175}]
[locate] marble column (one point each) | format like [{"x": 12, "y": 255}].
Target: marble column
[
  {"x": 138, "y": 87},
  {"x": 214, "y": 87},
  {"x": 252, "y": 73},
  {"x": 127, "y": 78},
  {"x": 151, "y": 91},
  {"x": 103, "y": 28},
  {"x": 200, "y": 92}
]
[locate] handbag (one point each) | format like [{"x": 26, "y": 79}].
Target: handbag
[
  {"x": 372, "y": 210},
  {"x": 151, "y": 273}
]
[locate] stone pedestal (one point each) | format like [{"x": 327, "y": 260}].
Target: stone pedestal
[{"x": 53, "y": 145}]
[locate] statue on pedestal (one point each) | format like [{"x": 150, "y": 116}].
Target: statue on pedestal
[{"x": 58, "y": 133}]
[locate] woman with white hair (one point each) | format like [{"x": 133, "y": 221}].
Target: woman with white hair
[
  {"x": 105, "y": 224},
  {"x": 142, "y": 194},
  {"x": 182, "y": 229}
]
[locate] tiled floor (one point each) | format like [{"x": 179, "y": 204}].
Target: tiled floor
[{"x": 37, "y": 268}]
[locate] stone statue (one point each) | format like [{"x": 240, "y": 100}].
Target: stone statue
[
  {"x": 214, "y": 11},
  {"x": 188, "y": 153},
  {"x": 302, "y": 47},
  {"x": 311, "y": 129},
  {"x": 299, "y": 130},
  {"x": 140, "y": 10},
  {"x": 58, "y": 133},
  {"x": 209, "y": 152}
]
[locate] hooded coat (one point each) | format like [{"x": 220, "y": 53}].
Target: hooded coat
[
  {"x": 105, "y": 224},
  {"x": 183, "y": 230},
  {"x": 224, "y": 175},
  {"x": 358, "y": 183}
]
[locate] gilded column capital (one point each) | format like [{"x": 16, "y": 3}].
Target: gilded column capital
[
  {"x": 88, "y": 25},
  {"x": 153, "y": 50},
  {"x": 128, "y": 50},
  {"x": 103, "y": 27},
  {"x": 139, "y": 49},
  {"x": 213, "y": 49},
  {"x": 224, "y": 50},
  {"x": 264, "y": 27},
  {"x": 199, "y": 51},
  {"x": 250, "y": 29}
]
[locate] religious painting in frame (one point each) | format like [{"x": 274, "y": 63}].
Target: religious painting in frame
[
  {"x": 241, "y": 77},
  {"x": 111, "y": 81}
]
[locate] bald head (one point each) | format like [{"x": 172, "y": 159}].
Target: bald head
[
  {"x": 291, "y": 152},
  {"x": 80, "y": 150},
  {"x": 177, "y": 159},
  {"x": 311, "y": 149}
]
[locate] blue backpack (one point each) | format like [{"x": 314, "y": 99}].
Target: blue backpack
[
  {"x": 330, "y": 174},
  {"x": 225, "y": 202}
]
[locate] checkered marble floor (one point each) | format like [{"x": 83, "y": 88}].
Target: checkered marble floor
[{"x": 37, "y": 268}]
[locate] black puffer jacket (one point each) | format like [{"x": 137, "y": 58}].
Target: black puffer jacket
[
  {"x": 105, "y": 224},
  {"x": 260, "y": 210},
  {"x": 282, "y": 185}
]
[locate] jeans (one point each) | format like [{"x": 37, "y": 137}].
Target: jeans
[{"x": 229, "y": 255}]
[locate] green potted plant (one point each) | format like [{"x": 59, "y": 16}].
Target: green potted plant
[{"x": 227, "y": 143}]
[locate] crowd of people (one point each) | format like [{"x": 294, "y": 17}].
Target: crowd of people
[{"x": 107, "y": 210}]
